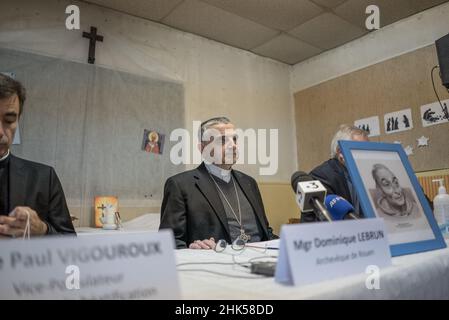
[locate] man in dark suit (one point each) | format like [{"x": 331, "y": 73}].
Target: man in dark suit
[
  {"x": 333, "y": 173},
  {"x": 213, "y": 201},
  {"x": 30, "y": 193}
]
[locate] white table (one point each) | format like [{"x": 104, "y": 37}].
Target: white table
[{"x": 418, "y": 276}]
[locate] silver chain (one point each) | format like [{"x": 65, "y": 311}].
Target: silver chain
[{"x": 226, "y": 199}]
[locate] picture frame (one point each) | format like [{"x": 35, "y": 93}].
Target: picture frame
[
  {"x": 387, "y": 188},
  {"x": 101, "y": 203},
  {"x": 153, "y": 141}
]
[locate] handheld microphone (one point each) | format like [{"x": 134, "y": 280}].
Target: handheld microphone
[
  {"x": 310, "y": 195},
  {"x": 339, "y": 207}
]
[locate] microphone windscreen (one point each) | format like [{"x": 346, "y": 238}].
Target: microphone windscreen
[
  {"x": 338, "y": 207},
  {"x": 299, "y": 176}
]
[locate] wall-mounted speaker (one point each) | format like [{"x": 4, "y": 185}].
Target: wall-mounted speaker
[{"x": 443, "y": 58}]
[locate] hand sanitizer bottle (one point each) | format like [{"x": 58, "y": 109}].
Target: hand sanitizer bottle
[{"x": 441, "y": 208}]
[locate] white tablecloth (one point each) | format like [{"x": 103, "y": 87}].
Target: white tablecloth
[{"x": 418, "y": 276}]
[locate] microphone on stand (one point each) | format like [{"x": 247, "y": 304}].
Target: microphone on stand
[
  {"x": 310, "y": 195},
  {"x": 339, "y": 208}
]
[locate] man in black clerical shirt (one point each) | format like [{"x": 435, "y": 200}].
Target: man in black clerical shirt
[
  {"x": 214, "y": 202},
  {"x": 29, "y": 191}
]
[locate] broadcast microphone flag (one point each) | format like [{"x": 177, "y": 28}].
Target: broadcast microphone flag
[
  {"x": 339, "y": 207},
  {"x": 310, "y": 194}
]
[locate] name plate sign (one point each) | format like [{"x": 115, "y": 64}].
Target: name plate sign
[
  {"x": 137, "y": 265},
  {"x": 316, "y": 252}
]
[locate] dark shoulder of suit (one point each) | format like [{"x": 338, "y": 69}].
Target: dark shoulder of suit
[
  {"x": 331, "y": 174},
  {"x": 37, "y": 186},
  {"x": 36, "y": 167}
]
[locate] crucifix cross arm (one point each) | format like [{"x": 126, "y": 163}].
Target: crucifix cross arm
[{"x": 93, "y": 38}]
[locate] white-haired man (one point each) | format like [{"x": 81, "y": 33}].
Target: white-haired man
[{"x": 333, "y": 173}]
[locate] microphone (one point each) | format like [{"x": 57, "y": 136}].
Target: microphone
[
  {"x": 339, "y": 207},
  {"x": 310, "y": 195}
]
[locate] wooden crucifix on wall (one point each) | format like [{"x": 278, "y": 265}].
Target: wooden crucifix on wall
[{"x": 93, "y": 38}]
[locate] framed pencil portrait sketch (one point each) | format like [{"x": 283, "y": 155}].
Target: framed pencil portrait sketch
[{"x": 387, "y": 188}]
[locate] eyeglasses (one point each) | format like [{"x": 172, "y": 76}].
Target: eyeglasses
[
  {"x": 219, "y": 138},
  {"x": 237, "y": 245}
]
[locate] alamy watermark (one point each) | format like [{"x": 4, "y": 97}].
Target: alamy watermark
[
  {"x": 373, "y": 20},
  {"x": 231, "y": 146},
  {"x": 72, "y": 22},
  {"x": 72, "y": 282},
  {"x": 372, "y": 281}
]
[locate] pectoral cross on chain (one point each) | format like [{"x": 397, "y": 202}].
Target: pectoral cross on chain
[{"x": 243, "y": 236}]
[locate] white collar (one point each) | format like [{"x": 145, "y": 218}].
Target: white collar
[
  {"x": 220, "y": 173},
  {"x": 5, "y": 157}
]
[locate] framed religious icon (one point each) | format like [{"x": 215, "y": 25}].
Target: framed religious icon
[
  {"x": 101, "y": 205},
  {"x": 153, "y": 141},
  {"x": 387, "y": 188}
]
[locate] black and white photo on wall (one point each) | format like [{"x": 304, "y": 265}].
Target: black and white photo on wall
[
  {"x": 370, "y": 125},
  {"x": 435, "y": 113},
  {"x": 398, "y": 121}
]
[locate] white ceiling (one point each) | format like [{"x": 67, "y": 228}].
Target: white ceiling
[{"x": 289, "y": 31}]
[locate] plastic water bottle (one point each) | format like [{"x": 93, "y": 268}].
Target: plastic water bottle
[{"x": 441, "y": 208}]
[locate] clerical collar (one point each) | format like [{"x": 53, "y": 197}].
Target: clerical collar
[
  {"x": 220, "y": 173},
  {"x": 5, "y": 157}
]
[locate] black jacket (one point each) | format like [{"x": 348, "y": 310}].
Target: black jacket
[
  {"x": 37, "y": 186},
  {"x": 193, "y": 210},
  {"x": 332, "y": 176}
]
